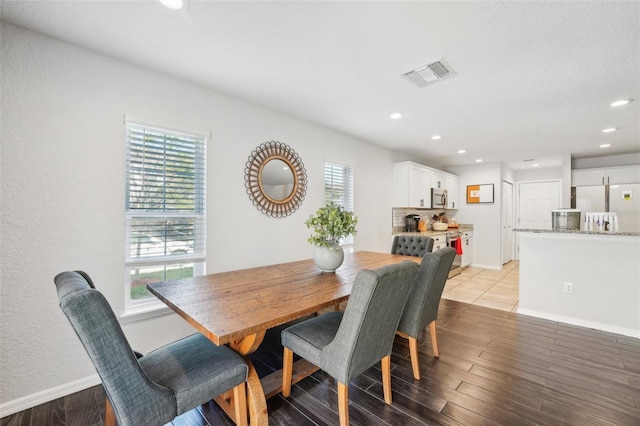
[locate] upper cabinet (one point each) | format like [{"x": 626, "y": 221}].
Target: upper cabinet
[
  {"x": 606, "y": 176},
  {"x": 412, "y": 185},
  {"x": 451, "y": 185}
]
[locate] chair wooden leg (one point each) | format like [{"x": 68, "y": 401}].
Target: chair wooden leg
[
  {"x": 240, "y": 404},
  {"x": 434, "y": 339},
  {"x": 109, "y": 415},
  {"x": 287, "y": 371},
  {"x": 343, "y": 403},
  {"x": 415, "y": 361},
  {"x": 386, "y": 378},
  {"x": 413, "y": 351}
]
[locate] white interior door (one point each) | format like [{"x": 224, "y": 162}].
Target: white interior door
[
  {"x": 507, "y": 222},
  {"x": 536, "y": 200}
]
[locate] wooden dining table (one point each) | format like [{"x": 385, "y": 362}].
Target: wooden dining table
[{"x": 238, "y": 307}]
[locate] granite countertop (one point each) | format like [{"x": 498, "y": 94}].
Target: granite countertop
[
  {"x": 576, "y": 231},
  {"x": 461, "y": 228}
]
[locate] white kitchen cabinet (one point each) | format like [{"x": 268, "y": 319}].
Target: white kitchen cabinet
[
  {"x": 467, "y": 248},
  {"x": 451, "y": 185},
  {"x": 439, "y": 241},
  {"x": 412, "y": 183},
  {"x": 606, "y": 176},
  {"x": 438, "y": 179},
  {"x": 623, "y": 174},
  {"x": 419, "y": 187}
]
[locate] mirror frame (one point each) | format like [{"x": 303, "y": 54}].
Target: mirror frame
[{"x": 265, "y": 152}]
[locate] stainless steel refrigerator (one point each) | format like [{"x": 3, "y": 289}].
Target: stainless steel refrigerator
[{"x": 624, "y": 200}]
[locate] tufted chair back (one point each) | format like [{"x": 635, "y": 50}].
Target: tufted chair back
[{"x": 410, "y": 245}]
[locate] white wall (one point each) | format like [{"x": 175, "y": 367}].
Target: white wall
[
  {"x": 538, "y": 174},
  {"x": 62, "y": 175},
  {"x": 486, "y": 218}
]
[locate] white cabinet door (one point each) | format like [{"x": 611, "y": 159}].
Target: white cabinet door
[
  {"x": 451, "y": 185},
  {"x": 419, "y": 187},
  {"x": 606, "y": 176},
  {"x": 401, "y": 187},
  {"x": 467, "y": 249},
  {"x": 587, "y": 177},
  {"x": 438, "y": 179},
  {"x": 623, "y": 174},
  {"x": 439, "y": 241}
]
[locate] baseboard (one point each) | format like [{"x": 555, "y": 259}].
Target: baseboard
[
  {"x": 47, "y": 395},
  {"x": 587, "y": 324},
  {"x": 494, "y": 267}
]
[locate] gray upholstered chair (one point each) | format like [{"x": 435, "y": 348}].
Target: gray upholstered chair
[
  {"x": 422, "y": 307},
  {"x": 345, "y": 345},
  {"x": 155, "y": 388},
  {"x": 410, "y": 245}
]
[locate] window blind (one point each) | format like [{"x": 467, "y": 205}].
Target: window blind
[
  {"x": 338, "y": 182},
  {"x": 165, "y": 205},
  {"x": 339, "y": 189}
]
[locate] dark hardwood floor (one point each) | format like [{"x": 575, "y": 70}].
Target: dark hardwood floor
[{"x": 495, "y": 367}]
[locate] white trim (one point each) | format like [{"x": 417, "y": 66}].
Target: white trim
[
  {"x": 494, "y": 267},
  {"x": 167, "y": 126},
  {"x": 47, "y": 395},
  {"x": 143, "y": 311},
  {"x": 587, "y": 324}
]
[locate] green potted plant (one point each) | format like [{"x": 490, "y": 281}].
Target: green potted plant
[{"x": 330, "y": 223}]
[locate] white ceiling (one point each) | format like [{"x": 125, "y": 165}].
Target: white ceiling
[{"x": 534, "y": 79}]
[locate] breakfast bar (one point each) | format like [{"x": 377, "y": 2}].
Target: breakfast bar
[{"x": 590, "y": 279}]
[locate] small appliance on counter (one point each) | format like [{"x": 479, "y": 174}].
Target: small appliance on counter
[
  {"x": 565, "y": 219},
  {"x": 411, "y": 222}
]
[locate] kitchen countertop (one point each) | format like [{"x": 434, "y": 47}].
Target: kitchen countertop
[
  {"x": 461, "y": 228},
  {"x": 577, "y": 232}
]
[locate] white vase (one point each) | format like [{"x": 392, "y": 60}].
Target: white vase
[{"x": 328, "y": 259}]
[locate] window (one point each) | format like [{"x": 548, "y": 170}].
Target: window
[
  {"x": 165, "y": 209},
  {"x": 338, "y": 188}
]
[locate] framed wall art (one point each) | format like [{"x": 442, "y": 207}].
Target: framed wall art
[{"x": 480, "y": 193}]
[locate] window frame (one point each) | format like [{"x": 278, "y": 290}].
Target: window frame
[
  {"x": 197, "y": 215},
  {"x": 348, "y": 201}
]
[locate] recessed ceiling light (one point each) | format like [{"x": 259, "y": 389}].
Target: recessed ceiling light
[
  {"x": 395, "y": 116},
  {"x": 620, "y": 102},
  {"x": 479, "y": 160},
  {"x": 609, "y": 130},
  {"x": 605, "y": 145},
  {"x": 535, "y": 165},
  {"x": 436, "y": 137},
  {"x": 173, "y": 4},
  {"x": 461, "y": 151}
]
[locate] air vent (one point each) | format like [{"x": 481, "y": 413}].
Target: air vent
[{"x": 430, "y": 73}]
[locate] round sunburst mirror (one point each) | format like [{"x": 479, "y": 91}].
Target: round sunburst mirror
[{"x": 275, "y": 179}]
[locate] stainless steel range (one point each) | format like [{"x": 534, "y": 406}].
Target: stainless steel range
[{"x": 452, "y": 236}]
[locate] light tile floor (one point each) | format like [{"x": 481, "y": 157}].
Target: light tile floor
[{"x": 486, "y": 287}]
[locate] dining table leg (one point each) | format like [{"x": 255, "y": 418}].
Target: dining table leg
[{"x": 256, "y": 399}]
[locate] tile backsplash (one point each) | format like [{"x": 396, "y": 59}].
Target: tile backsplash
[{"x": 398, "y": 214}]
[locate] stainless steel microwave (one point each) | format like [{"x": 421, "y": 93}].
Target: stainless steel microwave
[{"x": 438, "y": 198}]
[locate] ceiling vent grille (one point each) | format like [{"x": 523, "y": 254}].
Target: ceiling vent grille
[{"x": 430, "y": 73}]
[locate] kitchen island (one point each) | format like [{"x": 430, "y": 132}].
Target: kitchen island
[{"x": 590, "y": 279}]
